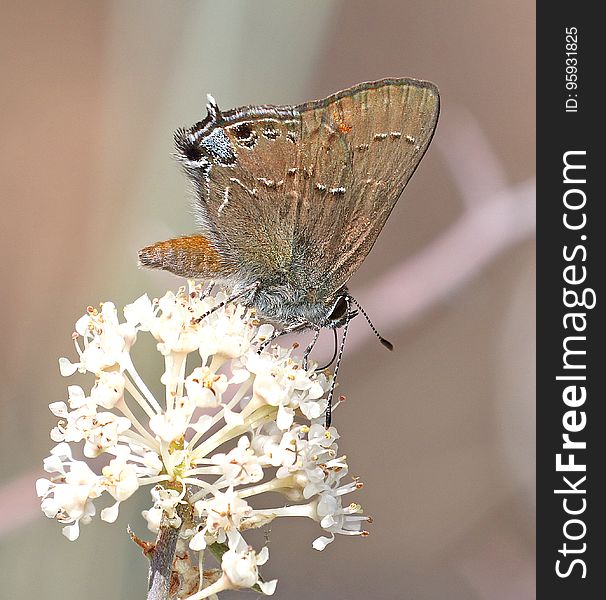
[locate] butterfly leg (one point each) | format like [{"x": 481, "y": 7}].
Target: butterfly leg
[
  {"x": 280, "y": 332},
  {"x": 231, "y": 298},
  {"x": 209, "y": 289},
  {"x": 310, "y": 347}
]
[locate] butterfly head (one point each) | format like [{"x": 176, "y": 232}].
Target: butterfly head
[{"x": 339, "y": 311}]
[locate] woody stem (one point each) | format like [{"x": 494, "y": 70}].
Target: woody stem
[{"x": 163, "y": 555}]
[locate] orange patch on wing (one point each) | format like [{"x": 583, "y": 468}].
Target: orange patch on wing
[
  {"x": 342, "y": 125},
  {"x": 188, "y": 256}
]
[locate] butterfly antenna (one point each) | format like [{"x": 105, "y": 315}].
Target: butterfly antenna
[
  {"x": 383, "y": 341},
  {"x": 227, "y": 301},
  {"x": 328, "y": 413}
]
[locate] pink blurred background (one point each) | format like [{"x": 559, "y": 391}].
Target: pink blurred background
[{"x": 442, "y": 429}]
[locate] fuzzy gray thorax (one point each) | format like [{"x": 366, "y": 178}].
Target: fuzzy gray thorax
[{"x": 287, "y": 306}]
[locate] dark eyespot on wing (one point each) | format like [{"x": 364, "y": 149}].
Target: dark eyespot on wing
[
  {"x": 243, "y": 131},
  {"x": 245, "y": 134}
]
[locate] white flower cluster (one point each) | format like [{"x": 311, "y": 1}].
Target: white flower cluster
[{"x": 234, "y": 423}]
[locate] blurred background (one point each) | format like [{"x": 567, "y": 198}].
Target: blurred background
[{"x": 442, "y": 429}]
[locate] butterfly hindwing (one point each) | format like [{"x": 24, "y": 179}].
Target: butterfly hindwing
[{"x": 245, "y": 187}]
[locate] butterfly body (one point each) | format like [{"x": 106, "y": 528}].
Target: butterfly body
[{"x": 290, "y": 199}]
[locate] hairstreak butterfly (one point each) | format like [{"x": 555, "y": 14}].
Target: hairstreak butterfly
[{"x": 290, "y": 199}]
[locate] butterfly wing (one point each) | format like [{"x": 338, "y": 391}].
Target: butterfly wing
[
  {"x": 296, "y": 196},
  {"x": 242, "y": 165},
  {"x": 280, "y": 189},
  {"x": 361, "y": 146}
]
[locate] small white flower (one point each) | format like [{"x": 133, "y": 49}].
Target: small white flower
[
  {"x": 165, "y": 504},
  {"x": 66, "y": 367},
  {"x": 223, "y": 514},
  {"x": 103, "y": 432},
  {"x": 240, "y": 465},
  {"x": 120, "y": 478},
  {"x": 76, "y": 397},
  {"x": 140, "y": 313},
  {"x": 205, "y": 387},
  {"x": 108, "y": 389},
  {"x": 69, "y": 500},
  {"x": 172, "y": 424},
  {"x": 240, "y": 568}
]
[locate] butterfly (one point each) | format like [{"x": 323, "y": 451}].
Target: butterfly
[{"x": 290, "y": 200}]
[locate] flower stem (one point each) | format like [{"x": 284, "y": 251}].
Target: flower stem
[
  {"x": 161, "y": 562},
  {"x": 163, "y": 555}
]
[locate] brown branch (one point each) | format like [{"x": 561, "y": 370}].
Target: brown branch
[
  {"x": 161, "y": 562},
  {"x": 162, "y": 555}
]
